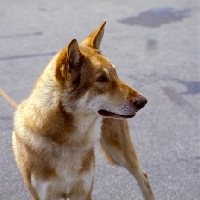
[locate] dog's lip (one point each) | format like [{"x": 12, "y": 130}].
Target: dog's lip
[{"x": 111, "y": 114}]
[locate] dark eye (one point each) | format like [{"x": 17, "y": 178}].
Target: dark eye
[{"x": 102, "y": 79}]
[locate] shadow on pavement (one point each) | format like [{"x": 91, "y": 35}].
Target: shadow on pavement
[{"x": 156, "y": 17}]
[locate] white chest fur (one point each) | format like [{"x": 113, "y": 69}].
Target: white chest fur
[{"x": 68, "y": 161}]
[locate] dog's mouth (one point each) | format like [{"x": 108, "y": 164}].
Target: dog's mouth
[{"x": 106, "y": 113}]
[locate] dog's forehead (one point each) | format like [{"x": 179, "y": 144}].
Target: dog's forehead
[
  {"x": 102, "y": 61},
  {"x": 96, "y": 57},
  {"x": 112, "y": 65}
]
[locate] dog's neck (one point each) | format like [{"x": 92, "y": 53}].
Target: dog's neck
[{"x": 77, "y": 129}]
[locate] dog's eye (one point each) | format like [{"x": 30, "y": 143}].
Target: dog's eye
[{"x": 102, "y": 79}]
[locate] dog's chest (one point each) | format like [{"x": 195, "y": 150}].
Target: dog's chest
[
  {"x": 71, "y": 158},
  {"x": 67, "y": 176},
  {"x": 68, "y": 161}
]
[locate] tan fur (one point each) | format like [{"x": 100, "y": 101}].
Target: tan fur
[{"x": 55, "y": 129}]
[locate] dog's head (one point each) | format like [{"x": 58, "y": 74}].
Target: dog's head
[{"x": 90, "y": 83}]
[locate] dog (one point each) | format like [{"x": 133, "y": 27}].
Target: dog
[{"x": 77, "y": 101}]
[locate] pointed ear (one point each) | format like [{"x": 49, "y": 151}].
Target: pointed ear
[
  {"x": 74, "y": 54},
  {"x": 94, "y": 39},
  {"x": 68, "y": 61}
]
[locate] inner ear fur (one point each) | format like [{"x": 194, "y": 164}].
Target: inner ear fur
[
  {"x": 95, "y": 38},
  {"x": 68, "y": 60}
]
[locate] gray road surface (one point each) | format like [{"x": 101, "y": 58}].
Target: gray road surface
[{"x": 155, "y": 46}]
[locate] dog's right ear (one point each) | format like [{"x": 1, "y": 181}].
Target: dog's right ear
[
  {"x": 68, "y": 62},
  {"x": 94, "y": 39}
]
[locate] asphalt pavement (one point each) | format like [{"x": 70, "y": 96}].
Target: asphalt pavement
[{"x": 155, "y": 46}]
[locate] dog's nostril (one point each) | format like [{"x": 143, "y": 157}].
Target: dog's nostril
[{"x": 140, "y": 103}]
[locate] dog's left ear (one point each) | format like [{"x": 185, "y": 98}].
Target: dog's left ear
[
  {"x": 68, "y": 62},
  {"x": 94, "y": 39}
]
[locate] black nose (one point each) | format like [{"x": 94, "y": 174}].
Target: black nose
[{"x": 140, "y": 102}]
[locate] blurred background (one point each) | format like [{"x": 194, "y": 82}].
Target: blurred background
[{"x": 155, "y": 47}]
